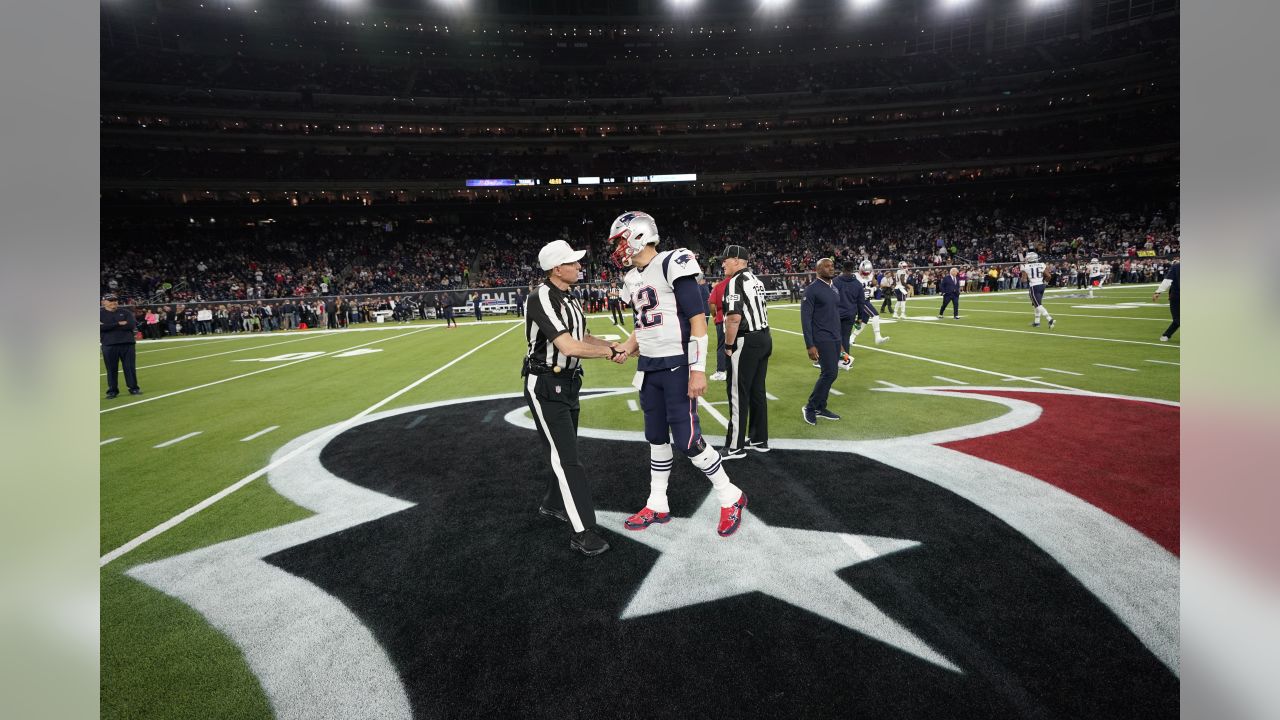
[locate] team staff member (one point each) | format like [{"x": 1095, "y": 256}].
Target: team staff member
[
  {"x": 556, "y": 329},
  {"x": 820, "y": 320},
  {"x": 950, "y": 289},
  {"x": 716, "y": 300},
  {"x": 748, "y": 345},
  {"x": 1170, "y": 283},
  {"x": 117, "y": 329},
  {"x": 615, "y": 305}
]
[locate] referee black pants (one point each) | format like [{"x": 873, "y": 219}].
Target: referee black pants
[
  {"x": 746, "y": 374},
  {"x": 553, "y": 400}
]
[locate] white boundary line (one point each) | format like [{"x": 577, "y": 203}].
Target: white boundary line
[
  {"x": 886, "y": 383},
  {"x": 108, "y": 441},
  {"x": 1072, "y": 315},
  {"x": 1064, "y": 372},
  {"x": 1053, "y": 333},
  {"x": 702, "y": 402},
  {"x": 257, "y": 372},
  {"x": 1116, "y": 367},
  {"x": 949, "y": 364},
  {"x": 259, "y": 434},
  {"x": 228, "y": 352},
  {"x": 947, "y": 379},
  {"x": 177, "y": 440},
  {"x": 1164, "y": 362},
  {"x": 324, "y": 436}
]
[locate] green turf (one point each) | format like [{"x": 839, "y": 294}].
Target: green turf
[{"x": 159, "y": 659}]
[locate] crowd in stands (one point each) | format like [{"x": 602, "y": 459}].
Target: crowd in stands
[
  {"x": 153, "y": 262},
  {"x": 1140, "y": 129}
]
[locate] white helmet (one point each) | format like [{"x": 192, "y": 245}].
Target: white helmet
[
  {"x": 1094, "y": 260},
  {"x": 865, "y": 267},
  {"x": 631, "y": 231},
  {"x": 1033, "y": 257},
  {"x": 903, "y": 264}
]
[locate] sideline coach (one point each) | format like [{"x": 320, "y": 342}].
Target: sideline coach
[
  {"x": 557, "y": 332},
  {"x": 119, "y": 345}
]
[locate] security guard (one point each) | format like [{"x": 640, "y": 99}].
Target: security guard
[
  {"x": 557, "y": 331},
  {"x": 748, "y": 345},
  {"x": 117, "y": 329}
]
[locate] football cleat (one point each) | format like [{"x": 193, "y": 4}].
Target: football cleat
[
  {"x": 1035, "y": 324},
  {"x": 1050, "y": 322},
  {"x": 809, "y": 416},
  {"x": 733, "y": 453},
  {"x": 1163, "y": 338},
  {"x": 731, "y": 517},
  {"x": 826, "y": 414},
  {"x": 882, "y": 340},
  {"x": 645, "y": 518}
]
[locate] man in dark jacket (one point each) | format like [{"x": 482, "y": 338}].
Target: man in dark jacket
[
  {"x": 950, "y": 288},
  {"x": 117, "y": 330},
  {"x": 820, "y": 320}
]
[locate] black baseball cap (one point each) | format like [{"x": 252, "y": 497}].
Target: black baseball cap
[
  {"x": 734, "y": 251},
  {"x": 110, "y": 296}
]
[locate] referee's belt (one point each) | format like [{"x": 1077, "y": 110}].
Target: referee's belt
[
  {"x": 748, "y": 332},
  {"x": 539, "y": 368}
]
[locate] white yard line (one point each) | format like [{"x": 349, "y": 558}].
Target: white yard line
[
  {"x": 947, "y": 379},
  {"x": 1049, "y": 333},
  {"x": 702, "y": 402},
  {"x": 323, "y": 437},
  {"x": 108, "y": 441},
  {"x": 1117, "y": 367},
  {"x": 886, "y": 383},
  {"x": 631, "y": 405},
  {"x": 176, "y": 440},
  {"x": 1064, "y": 372},
  {"x": 1029, "y": 378},
  {"x": 178, "y": 344},
  {"x": 1164, "y": 362},
  {"x": 834, "y": 391},
  {"x": 943, "y": 362},
  {"x": 228, "y": 352},
  {"x": 258, "y": 372},
  {"x": 259, "y": 434},
  {"x": 1071, "y": 315},
  {"x": 770, "y": 396}
]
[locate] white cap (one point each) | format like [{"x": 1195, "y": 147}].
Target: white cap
[{"x": 556, "y": 253}]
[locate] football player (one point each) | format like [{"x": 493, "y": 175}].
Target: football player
[
  {"x": 867, "y": 314},
  {"x": 671, "y": 337},
  {"x": 900, "y": 290},
  {"x": 1033, "y": 273},
  {"x": 1097, "y": 273}
]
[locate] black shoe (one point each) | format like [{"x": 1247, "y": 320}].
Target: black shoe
[
  {"x": 729, "y": 453},
  {"x": 758, "y": 446},
  {"x": 809, "y": 416},
  {"x": 588, "y": 542},
  {"x": 552, "y": 513},
  {"x": 826, "y": 414},
  {"x": 112, "y": 396},
  {"x": 135, "y": 391}
]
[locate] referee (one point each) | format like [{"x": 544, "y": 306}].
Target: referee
[
  {"x": 748, "y": 345},
  {"x": 557, "y": 333}
]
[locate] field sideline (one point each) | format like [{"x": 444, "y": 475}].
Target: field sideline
[{"x": 184, "y": 465}]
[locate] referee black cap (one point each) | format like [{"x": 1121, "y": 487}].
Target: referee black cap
[{"x": 734, "y": 251}]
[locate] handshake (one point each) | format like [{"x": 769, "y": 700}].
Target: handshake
[{"x": 619, "y": 354}]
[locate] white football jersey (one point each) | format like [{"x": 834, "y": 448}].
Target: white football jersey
[
  {"x": 868, "y": 285},
  {"x": 900, "y": 280},
  {"x": 1035, "y": 273},
  {"x": 1095, "y": 269},
  {"x": 658, "y": 328}
]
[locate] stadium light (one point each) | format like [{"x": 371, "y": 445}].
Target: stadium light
[
  {"x": 1043, "y": 4},
  {"x": 773, "y": 5},
  {"x": 955, "y": 4},
  {"x": 863, "y": 5}
]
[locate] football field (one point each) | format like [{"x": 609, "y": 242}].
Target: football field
[{"x": 423, "y": 603}]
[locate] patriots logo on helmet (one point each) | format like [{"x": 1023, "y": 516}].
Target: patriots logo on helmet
[{"x": 630, "y": 232}]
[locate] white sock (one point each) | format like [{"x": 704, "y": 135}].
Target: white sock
[
  {"x": 902, "y": 308},
  {"x": 708, "y": 461},
  {"x": 854, "y": 335},
  {"x": 660, "y": 459},
  {"x": 1045, "y": 312},
  {"x": 875, "y": 325}
]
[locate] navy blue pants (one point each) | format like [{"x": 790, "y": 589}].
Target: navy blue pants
[
  {"x": 670, "y": 415},
  {"x": 1173, "y": 310},
  {"x": 1036, "y": 293},
  {"x": 829, "y": 359},
  {"x": 846, "y": 329},
  {"x": 721, "y": 358},
  {"x": 116, "y": 355},
  {"x": 951, "y": 298}
]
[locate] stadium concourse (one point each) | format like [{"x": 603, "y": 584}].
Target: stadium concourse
[{"x": 342, "y": 521}]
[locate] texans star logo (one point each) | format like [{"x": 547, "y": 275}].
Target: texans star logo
[{"x": 1024, "y": 566}]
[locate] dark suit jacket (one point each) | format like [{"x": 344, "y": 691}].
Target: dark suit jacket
[{"x": 950, "y": 285}]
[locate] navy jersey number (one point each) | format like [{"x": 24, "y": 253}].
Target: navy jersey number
[{"x": 647, "y": 300}]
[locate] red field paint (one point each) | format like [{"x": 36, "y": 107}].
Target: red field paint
[{"x": 1118, "y": 455}]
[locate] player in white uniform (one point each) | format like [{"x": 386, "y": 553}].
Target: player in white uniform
[
  {"x": 900, "y": 290},
  {"x": 1097, "y": 274},
  {"x": 671, "y": 338},
  {"x": 866, "y": 314},
  {"x": 1033, "y": 273}
]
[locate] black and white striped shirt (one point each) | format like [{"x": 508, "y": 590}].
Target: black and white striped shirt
[
  {"x": 549, "y": 313},
  {"x": 744, "y": 295}
]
